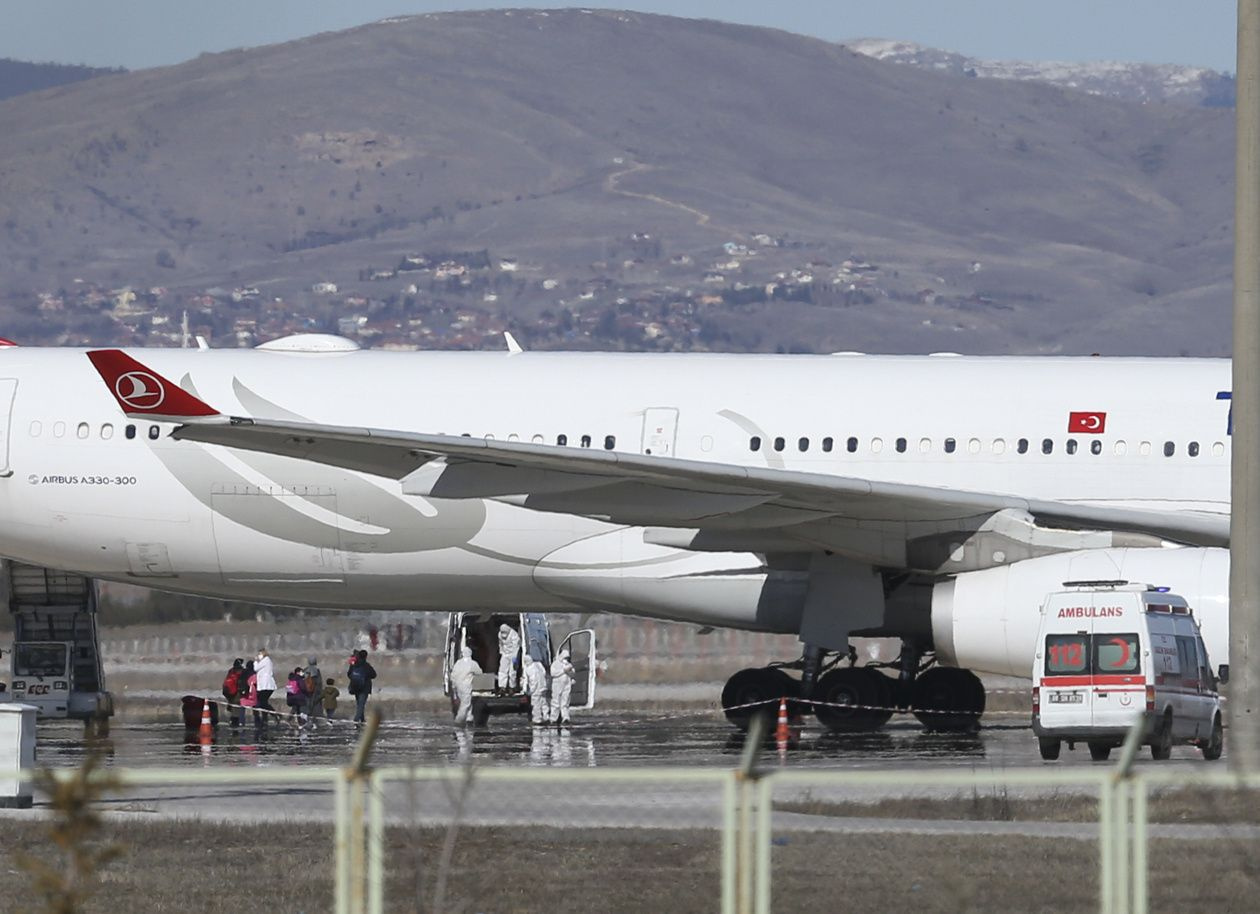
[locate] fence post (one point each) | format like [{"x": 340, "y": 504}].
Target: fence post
[
  {"x": 341, "y": 842},
  {"x": 746, "y": 781},
  {"x": 353, "y": 837}
]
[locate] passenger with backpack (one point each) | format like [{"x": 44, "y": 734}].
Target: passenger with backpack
[
  {"x": 313, "y": 686},
  {"x": 360, "y": 675},
  {"x": 294, "y": 696},
  {"x": 233, "y": 688}
]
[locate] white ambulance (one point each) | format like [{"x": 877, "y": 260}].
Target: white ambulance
[{"x": 1110, "y": 654}]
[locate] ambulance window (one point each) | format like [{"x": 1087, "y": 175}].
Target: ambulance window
[
  {"x": 1169, "y": 448},
  {"x": 1193, "y": 449},
  {"x": 851, "y": 445},
  {"x": 1187, "y": 655},
  {"x": 1070, "y": 447},
  {"x": 827, "y": 444},
  {"x": 1067, "y": 654},
  {"x": 950, "y": 444},
  {"x": 1047, "y": 446},
  {"x": 754, "y": 443},
  {"x": 1116, "y": 653},
  {"x": 1022, "y": 445},
  {"x": 1095, "y": 447}
]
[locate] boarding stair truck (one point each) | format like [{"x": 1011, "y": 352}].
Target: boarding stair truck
[
  {"x": 480, "y": 631},
  {"x": 1110, "y": 655},
  {"x": 56, "y": 658}
]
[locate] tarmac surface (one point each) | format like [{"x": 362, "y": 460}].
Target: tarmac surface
[{"x": 666, "y": 743}]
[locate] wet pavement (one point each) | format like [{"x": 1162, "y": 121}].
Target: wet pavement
[{"x": 607, "y": 739}]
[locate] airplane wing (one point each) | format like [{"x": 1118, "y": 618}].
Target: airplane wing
[{"x": 688, "y": 503}]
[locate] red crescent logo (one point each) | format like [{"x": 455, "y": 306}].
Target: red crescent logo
[
  {"x": 1125, "y": 653},
  {"x": 139, "y": 390}
]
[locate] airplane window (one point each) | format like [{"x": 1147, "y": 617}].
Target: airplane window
[
  {"x": 1144, "y": 448},
  {"x": 900, "y": 444},
  {"x": 999, "y": 446},
  {"x": 610, "y": 442},
  {"x": 489, "y": 437},
  {"x": 1169, "y": 448},
  {"x": 950, "y": 444},
  {"x": 827, "y": 443},
  {"x": 1047, "y": 446},
  {"x": 877, "y": 445},
  {"x": 586, "y": 441},
  {"x": 779, "y": 444},
  {"x": 1095, "y": 447},
  {"x": 537, "y": 439},
  {"x": 803, "y": 444},
  {"x": 37, "y": 429},
  {"x": 1218, "y": 449},
  {"x": 59, "y": 429},
  {"x": 1022, "y": 445},
  {"x": 706, "y": 443},
  {"x": 154, "y": 431},
  {"x": 82, "y": 430},
  {"x": 130, "y": 432},
  {"x": 925, "y": 445},
  {"x": 107, "y": 431},
  {"x": 851, "y": 445},
  {"x": 1193, "y": 449},
  {"x": 1120, "y": 447},
  {"x": 465, "y": 434},
  {"x": 973, "y": 446},
  {"x": 514, "y": 437},
  {"x": 1070, "y": 447},
  {"x": 562, "y": 440},
  {"x": 754, "y": 443}
]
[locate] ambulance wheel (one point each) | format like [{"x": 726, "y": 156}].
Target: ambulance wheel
[
  {"x": 1049, "y": 748},
  {"x": 1161, "y": 748},
  {"x": 853, "y": 700},
  {"x": 749, "y": 687},
  {"x": 948, "y": 700},
  {"x": 1099, "y": 752},
  {"x": 1211, "y": 748}
]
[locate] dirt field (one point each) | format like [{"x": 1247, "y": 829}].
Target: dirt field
[{"x": 186, "y": 868}]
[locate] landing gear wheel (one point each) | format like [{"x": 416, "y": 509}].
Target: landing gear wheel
[
  {"x": 849, "y": 697},
  {"x": 1099, "y": 752},
  {"x": 1049, "y": 748},
  {"x": 948, "y": 700},
  {"x": 1211, "y": 747},
  {"x": 748, "y": 687},
  {"x": 1161, "y": 748}
]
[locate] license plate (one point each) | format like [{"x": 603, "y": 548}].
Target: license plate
[{"x": 1066, "y": 698}]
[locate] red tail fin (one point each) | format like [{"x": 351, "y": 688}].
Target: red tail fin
[{"x": 142, "y": 392}]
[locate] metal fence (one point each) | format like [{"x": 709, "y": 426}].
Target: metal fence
[{"x": 744, "y": 840}]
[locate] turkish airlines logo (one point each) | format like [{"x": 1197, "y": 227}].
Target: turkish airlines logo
[
  {"x": 139, "y": 390},
  {"x": 1087, "y": 423}
]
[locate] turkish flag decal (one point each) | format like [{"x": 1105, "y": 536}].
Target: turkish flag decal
[{"x": 1087, "y": 423}]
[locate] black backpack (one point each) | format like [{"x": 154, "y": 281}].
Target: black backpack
[{"x": 358, "y": 678}]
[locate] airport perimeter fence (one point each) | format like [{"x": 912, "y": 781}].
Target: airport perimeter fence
[{"x": 1120, "y": 839}]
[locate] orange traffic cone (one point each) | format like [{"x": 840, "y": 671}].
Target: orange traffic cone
[
  {"x": 783, "y": 732},
  {"x": 206, "y": 731}
]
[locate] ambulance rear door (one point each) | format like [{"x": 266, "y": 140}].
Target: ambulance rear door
[
  {"x": 581, "y": 648},
  {"x": 1064, "y": 661}
]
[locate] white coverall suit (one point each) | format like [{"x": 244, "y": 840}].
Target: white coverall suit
[
  {"x": 561, "y": 685},
  {"x": 462, "y": 674},
  {"x": 509, "y": 647},
  {"x": 536, "y": 683}
]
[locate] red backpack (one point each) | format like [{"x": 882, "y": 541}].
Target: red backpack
[{"x": 232, "y": 683}]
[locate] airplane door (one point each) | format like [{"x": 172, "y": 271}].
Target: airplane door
[
  {"x": 8, "y": 389},
  {"x": 581, "y": 648},
  {"x": 660, "y": 429}
]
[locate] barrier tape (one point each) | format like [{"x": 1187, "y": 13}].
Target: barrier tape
[{"x": 287, "y": 715}]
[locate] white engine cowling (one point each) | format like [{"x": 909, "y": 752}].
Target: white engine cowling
[{"x": 987, "y": 620}]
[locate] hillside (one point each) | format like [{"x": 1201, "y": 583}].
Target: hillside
[
  {"x": 19, "y": 76},
  {"x": 717, "y": 175}
]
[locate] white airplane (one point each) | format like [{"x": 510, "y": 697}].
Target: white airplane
[{"x": 935, "y": 499}]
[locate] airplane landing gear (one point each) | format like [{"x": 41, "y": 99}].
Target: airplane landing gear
[
  {"x": 948, "y": 700},
  {"x": 748, "y": 687}
]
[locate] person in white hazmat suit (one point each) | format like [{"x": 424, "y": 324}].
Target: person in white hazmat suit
[
  {"x": 536, "y": 684},
  {"x": 509, "y": 647},
  {"x": 561, "y": 685},
  {"x": 462, "y": 674}
]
